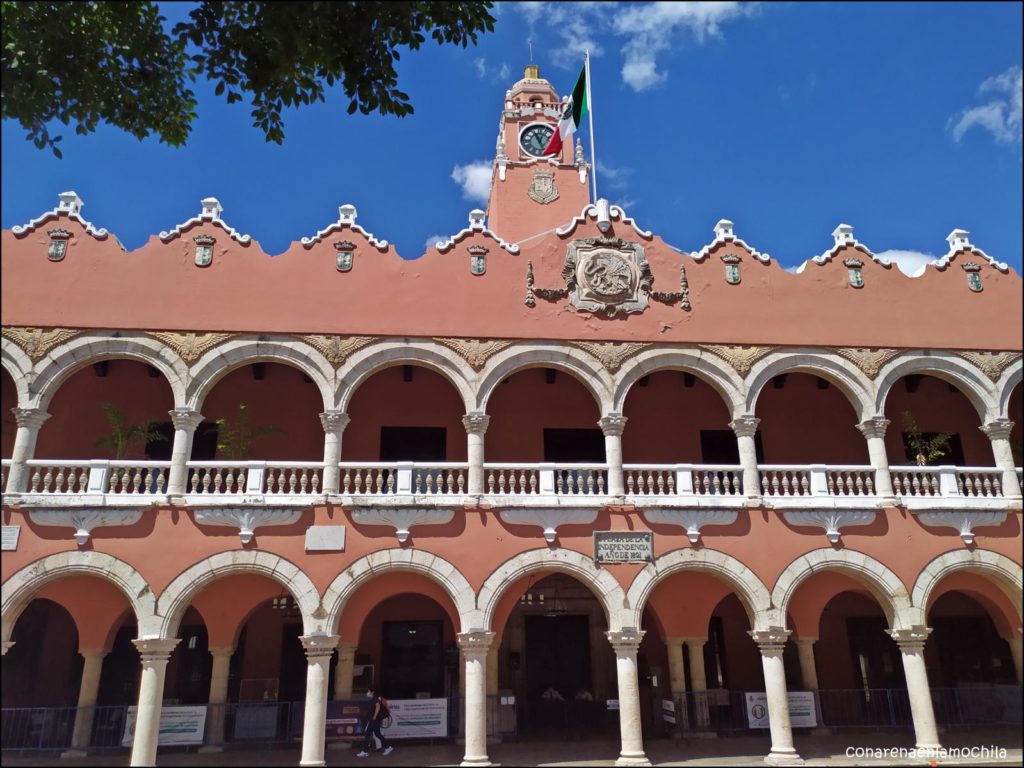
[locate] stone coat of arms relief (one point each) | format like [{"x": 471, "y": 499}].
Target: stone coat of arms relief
[
  {"x": 607, "y": 275},
  {"x": 542, "y": 189}
]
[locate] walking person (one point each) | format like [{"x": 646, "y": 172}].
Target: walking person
[{"x": 378, "y": 712}]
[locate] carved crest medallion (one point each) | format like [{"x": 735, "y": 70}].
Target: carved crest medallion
[
  {"x": 853, "y": 268},
  {"x": 607, "y": 275},
  {"x": 204, "y": 249},
  {"x": 973, "y": 271},
  {"x": 732, "y": 268},
  {"x": 345, "y": 249},
  {"x": 477, "y": 259},
  {"x": 58, "y": 245},
  {"x": 542, "y": 189}
]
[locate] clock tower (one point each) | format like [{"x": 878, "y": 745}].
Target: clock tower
[{"x": 531, "y": 193}]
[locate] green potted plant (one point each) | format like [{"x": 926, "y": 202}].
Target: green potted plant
[
  {"x": 926, "y": 450},
  {"x": 235, "y": 437},
  {"x": 123, "y": 437}
]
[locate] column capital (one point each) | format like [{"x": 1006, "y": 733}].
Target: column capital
[
  {"x": 474, "y": 643},
  {"x": 346, "y": 646},
  {"x": 613, "y": 424},
  {"x": 223, "y": 650},
  {"x": 5, "y": 646},
  {"x": 745, "y": 426},
  {"x": 910, "y": 639},
  {"x": 770, "y": 641},
  {"x": 92, "y": 653},
  {"x": 185, "y": 418},
  {"x": 155, "y": 649},
  {"x": 334, "y": 421},
  {"x": 625, "y": 640},
  {"x": 319, "y": 645},
  {"x": 998, "y": 429},
  {"x": 30, "y": 418},
  {"x": 476, "y": 423},
  {"x": 805, "y": 640},
  {"x": 874, "y": 427}
]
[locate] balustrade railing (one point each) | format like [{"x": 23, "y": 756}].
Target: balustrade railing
[
  {"x": 850, "y": 481},
  {"x": 512, "y": 479},
  {"x": 58, "y": 477},
  {"x": 293, "y": 478},
  {"x": 545, "y": 479},
  {"x": 947, "y": 481},
  {"x": 400, "y": 477},
  {"x": 979, "y": 482},
  {"x": 217, "y": 478},
  {"x": 581, "y": 480},
  {"x": 137, "y": 477},
  {"x": 779, "y": 480},
  {"x": 683, "y": 479}
]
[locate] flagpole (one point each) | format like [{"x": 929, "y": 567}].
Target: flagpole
[{"x": 590, "y": 112}]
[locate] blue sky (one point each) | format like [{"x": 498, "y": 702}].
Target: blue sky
[{"x": 903, "y": 120}]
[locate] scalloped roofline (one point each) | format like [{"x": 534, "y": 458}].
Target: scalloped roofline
[
  {"x": 346, "y": 218},
  {"x": 70, "y": 205},
  {"x": 724, "y": 234},
  {"x": 211, "y": 211},
  {"x": 476, "y": 224},
  {"x": 591, "y": 211},
  {"x": 958, "y": 243}
]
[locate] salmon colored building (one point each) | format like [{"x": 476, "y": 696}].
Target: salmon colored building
[{"x": 554, "y": 471}]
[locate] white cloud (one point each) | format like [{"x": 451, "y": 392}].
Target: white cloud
[
  {"x": 910, "y": 263},
  {"x": 1002, "y": 115},
  {"x": 496, "y": 74},
  {"x": 481, "y": 67},
  {"x": 504, "y": 73},
  {"x": 475, "y": 180},
  {"x": 434, "y": 240}
]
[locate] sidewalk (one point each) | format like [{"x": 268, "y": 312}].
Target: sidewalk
[{"x": 725, "y": 751}]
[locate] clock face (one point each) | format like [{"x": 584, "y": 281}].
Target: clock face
[{"x": 535, "y": 138}]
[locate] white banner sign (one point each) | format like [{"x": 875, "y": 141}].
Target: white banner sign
[
  {"x": 802, "y": 713},
  {"x": 668, "y": 710},
  {"x": 178, "y": 725},
  {"x": 417, "y": 719}
]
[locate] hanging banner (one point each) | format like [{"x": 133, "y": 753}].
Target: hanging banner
[
  {"x": 802, "y": 713},
  {"x": 346, "y": 720},
  {"x": 178, "y": 725}
]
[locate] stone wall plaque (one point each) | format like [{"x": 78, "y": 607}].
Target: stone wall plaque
[
  {"x": 325, "y": 538},
  {"x": 9, "y": 541},
  {"x": 623, "y": 546}
]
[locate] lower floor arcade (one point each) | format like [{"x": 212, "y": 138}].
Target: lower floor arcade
[{"x": 549, "y": 645}]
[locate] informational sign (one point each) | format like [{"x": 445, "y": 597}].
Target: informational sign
[
  {"x": 802, "y": 713},
  {"x": 612, "y": 703},
  {"x": 668, "y": 711},
  {"x": 417, "y": 719},
  {"x": 623, "y": 546},
  {"x": 178, "y": 725},
  {"x": 256, "y": 720},
  {"x": 10, "y": 537}
]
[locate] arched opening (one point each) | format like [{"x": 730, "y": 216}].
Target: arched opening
[
  {"x": 968, "y": 647},
  {"x": 1016, "y": 414},
  {"x": 8, "y": 425},
  {"x": 806, "y": 419},
  {"x": 43, "y": 668}
]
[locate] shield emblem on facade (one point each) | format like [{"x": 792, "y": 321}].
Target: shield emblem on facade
[
  {"x": 204, "y": 255},
  {"x": 542, "y": 189},
  {"x": 56, "y": 250},
  {"x": 477, "y": 259},
  {"x": 346, "y": 250},
  {"x": 973, "y": 271},
  {"x": 853, "y": 267},
  {"x": 732, "y": 269}
]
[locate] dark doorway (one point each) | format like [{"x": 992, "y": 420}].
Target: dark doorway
[
  {"x": 291, "y": 685},
  {"x": 875, "y": 656},
  {"x": 412, "y": 659},
  {"x": 574, "y": 446},
  {"x": 204, "y": 443},
  {"x": 971, "y": 652},
  {"x": 719, "y": 446},
  {"x": 413, "y": 444},
  {"x": 557, "y": 656}
]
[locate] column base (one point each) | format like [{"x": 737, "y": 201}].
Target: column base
[
  {"x": 210, "y": 749},
  {"x": 481, "y": 760},
  {"x": 313, "y": 762},
  {"x": 783, "y": 758},
  {"x": 936, "y": 746},
  {"x": 72, "y": 753},
  {"x": 638, "y": 758}
]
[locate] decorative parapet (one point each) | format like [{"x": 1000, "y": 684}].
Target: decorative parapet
[
  {"x": 83, "y": 520},
  {"x": 476, "y": 224},
  {"x": 689, "y": 519},
  {"x": 724, "y": 234},
  {"x": 70, "y": 205},
  {"x": 844, "y": 238},
  {"x": 474, "y": 351},
  {"x": 346, "y": 219},
  {"x": 831, "y": 520},
  {"x": 958, "y": 243},
  {"x": 548, "y": 519},
  {"x": 615, "y": 213},
  {"x": 962, "y": 520},
  {"x": 402, "y": 519},
  {"x": 190, "y": 346},
  {"x": 246, "y": 519},
  {"x": 37, "y": 342},
  {"x": 210, "y": 212}
]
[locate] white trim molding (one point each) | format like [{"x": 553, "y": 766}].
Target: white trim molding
[
  {"x": 548, "y": 519},
  {"x": 724, "y": 234},
  {"x": 346, "y": 218},
  {"x": 210, "y": 212},
  {"x": 590, "y": 211},
  {"x": 84, "y": 519},
  {"x": 689, "y": 519},
  {"x": 70, "y": 205},
  {"x": 401, "y": 518},
  {"x": 476, "y": 224},
  {"x": 246, "y": 519},
  {"x": 831, "y": 520},
  {"x": 963, "y": 521}
]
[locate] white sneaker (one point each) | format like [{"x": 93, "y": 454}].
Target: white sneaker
[
  {"x": 388, "y": 751},
  {"x": 362, "y": 754}
]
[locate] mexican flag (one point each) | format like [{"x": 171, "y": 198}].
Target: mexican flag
[{"x": 575, "y": 110}]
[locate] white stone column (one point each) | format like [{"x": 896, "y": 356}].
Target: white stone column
[
  {"x": 612, "y": 425},
  {"x": 911, "y": 642},
  {"x": 5, "y": 646},
  {"x": 626, "y": 644},
  {"x": 771, "y": 643},
  {"x": 474, "y": 647},
  {"x": 745, "y": 428},
  {"x": 808, "y": 667},
  {"x": 29, "y": 421},
  {"x": 334, "y": 423},
  {"x": 185, "y": 422},
  {"x": 218, "y": 699},
  {"x": 154, "y": 653},
  {"x": 698, "y": 680},
  {"x": 343, "y": 672},
  {"x": 676, "y": 668},
  {"x": 1017, "y": 651},
  {"x": 88, "y": 690},
  {"x": 998, "y": 432},
  {"x": 492, "y": 690},
  {"x": 319, "y": 649},
  {"x": 476, "y": 427},
  {"x": 873, "y": 430}
]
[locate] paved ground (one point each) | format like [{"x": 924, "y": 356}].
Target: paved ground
[{"x": 725, "y": 751}]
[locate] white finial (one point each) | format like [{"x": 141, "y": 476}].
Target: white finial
[
  {"x": 347, "y": 214},
  {"x": 211, "y": 207},
  {"x": 843, "y": 234},
  {"x": 70, "y": 202},
  {"x": 476, "y": 219},
  {"x": 957, "y": 239},
  {"x": 723, "y": 229}
]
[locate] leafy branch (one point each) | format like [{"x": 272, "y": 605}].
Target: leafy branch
[
  {"x": 123, "y": 436},
  {"x": 235, "y": 437},
  {"x": 926, "y": 449}
]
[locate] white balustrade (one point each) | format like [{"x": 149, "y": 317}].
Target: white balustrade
[
  {"x": 850, "y": 480},
  {"x": 512, "y": 480},
  {"x": 220, "y": 478},
  {"x": 683, "y": 479},
  {"x": 442, "y": 478},
  {"x": 948, "y": 481},
  {"x": 58, "y": 477},
  {"x": 137, "y": 477},
  {"x": 979, "y": 482},
  {"x": 580, "y": 479},
  {"x": 403, "y": 477},
  {"x": 783, "y": 480},
  {"x": 916, "y": 481},
  {"x": 293, "y": 478}
]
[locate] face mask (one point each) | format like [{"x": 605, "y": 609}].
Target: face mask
[{"x": 369, "y": 694}]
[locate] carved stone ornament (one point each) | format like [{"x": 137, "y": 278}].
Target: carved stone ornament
[
  {"x": 58, "y": 245},
  {"x": 190, "y": 346},
  {"x": 612, "y": 355},
  {"x": 58, "y": 234},
  {"x": 475, "y": 351},
  {"x": 853, "y": 268},
  {"x": 37, "y": 342},
  {"x": 739, "y": 357},
  {"x": 548, "y": 518},
  {"x": 84, "y": 520},
  {"x": 732, "y": 268},
  {"x": 992, "y": 364},
  {"x": 964, "y": 521},
  {"x": 973, "y": 270},
  {"x": 682, "y": 295},
  {"x": 204, "y": 249},
  {"x": 870, "y": 361},
  {"x": 542, "y": 189},
  {"x": 246, "y": 519},
  {"x": 831, "y": 520},
  {"x": 345, "y": 254},
  {"x": 336, "y": 348},
  {"x": 690, "y": 520},
  {"x": 608, "y": 275},
  {"x": 402, "y": 518}
]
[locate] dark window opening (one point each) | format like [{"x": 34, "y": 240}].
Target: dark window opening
[
  {"x": 413, "y": 444},
  {"x": 574, "y": 446},
  {"x": 412, "y": 660},
  {"x": 719, "y": 446},
  {"x": 954, "y": 451}
]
